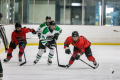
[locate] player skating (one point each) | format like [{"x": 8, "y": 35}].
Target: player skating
[
  {"x": 81, "y": 46},
  {"x": 48, "y": 37},
  {"x": 5, "y": 41},
  {"x": 18, "y": 38},
  {"x": 42, "y": 26}
]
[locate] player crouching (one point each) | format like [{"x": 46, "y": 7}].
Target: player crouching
[
  {"x": 81, "y": 45},
  {"x": 48, "y": 37},
  {"x": 18, "y": 38}
]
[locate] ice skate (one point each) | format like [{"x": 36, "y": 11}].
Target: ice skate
[
  {"x": 6, "y": 60},
  {"x": 49, "y": 62}
]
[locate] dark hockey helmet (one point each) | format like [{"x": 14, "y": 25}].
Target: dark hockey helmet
[
  {"x": 48, "y": 17},
  {"x": 1, "y": 16},
  {"x": 75, "y": 34},
  {"x": 18, "y": 25},
  {"x": 52, "y": 23}
]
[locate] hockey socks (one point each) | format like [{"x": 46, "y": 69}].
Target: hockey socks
[{"x": 50, "y": 56}]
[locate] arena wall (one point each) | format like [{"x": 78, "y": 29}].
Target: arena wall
[{"x": 97, "y": 35}]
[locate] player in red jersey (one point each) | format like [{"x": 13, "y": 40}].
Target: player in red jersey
[
  {"x": 18, "y": 38},
  {"x": 81, "y": 46}
]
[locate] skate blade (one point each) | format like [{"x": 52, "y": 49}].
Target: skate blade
[
  {"x": 5, "y": 62},
  {"x": 49, "y": 64},
  {"x": 20, "y": 61},
  {"x": 34, "y": 63}
]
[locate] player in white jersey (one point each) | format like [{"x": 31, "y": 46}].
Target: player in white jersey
[
  {"x": 48, "y": 37},
  {"x": 42, "y": 26}
]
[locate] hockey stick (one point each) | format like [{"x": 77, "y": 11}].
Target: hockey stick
[
  {"x": 24, "y": 57},
  {"x": 89, "y": 64},
  {"x": 32, "y": 38},
  {"x": 116, "y": 31},
  {"x": 57, "y": 56},
  {"x": 45, "y": 49}
]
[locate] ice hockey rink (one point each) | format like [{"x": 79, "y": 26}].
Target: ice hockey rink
[
  {"x": 97, "y": 20},
  {"x": 106, "y": 55}
]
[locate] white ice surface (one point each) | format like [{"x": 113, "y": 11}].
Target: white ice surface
[{"x": 107, "y": 56}]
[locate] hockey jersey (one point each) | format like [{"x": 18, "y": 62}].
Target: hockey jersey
[
  {"x": 47, "y": 35},
  {"x": 16, "y": 37},
  {"x": 40, "y": 28},
  {"x": 81, "y": 44}
]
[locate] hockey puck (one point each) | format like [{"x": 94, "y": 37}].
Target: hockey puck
[{"x": 112, "y": 72}]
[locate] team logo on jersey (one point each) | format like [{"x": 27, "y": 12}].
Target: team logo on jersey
[
  {"x": 49, "y": 37},
  {"x": 19, "y": 37}
]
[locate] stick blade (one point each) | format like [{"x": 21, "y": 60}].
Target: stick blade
[
  {"x": 22, "y": 63},
  {"x": 115, "y": 30},
  {"x": 62, "y": 65},
  {"x": 97, "y": 66}
]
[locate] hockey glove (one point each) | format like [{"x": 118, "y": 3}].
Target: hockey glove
[
  {"x": 20, "y": 42},
  {"x": 34, "y": 32},
  {"x": 55, "y": 36},
  {"x": 67, "y": 50},
  {"x": 77, "y": 56},
  {"x": 39, "y": 34},
  {"x": 6, "y": 48}
]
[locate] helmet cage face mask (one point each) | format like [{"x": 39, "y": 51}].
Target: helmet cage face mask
[
  {"x": 48, "y": 22},
  {"x": 52, "y": 26},
  {"x": 75, "y": 39},
  {"x": 18, "y": 29},
  {"x": 75, "y": 36}
]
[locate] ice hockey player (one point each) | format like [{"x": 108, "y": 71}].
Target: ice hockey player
[
  {"x": 5, "y": 41},
  {"x": 18, "y": 38},
  {"x": 42, "y": 26},
  {"x": 48, "y": 37},
  {"x": 48, "y": 19},
  {"x": 81, "y": 46}
]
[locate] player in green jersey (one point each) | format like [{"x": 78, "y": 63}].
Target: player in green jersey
[
  {"x": 42, "y": 26},
  {"x": 48, "y": 19},
  {"x": 48, "y": 37}
]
